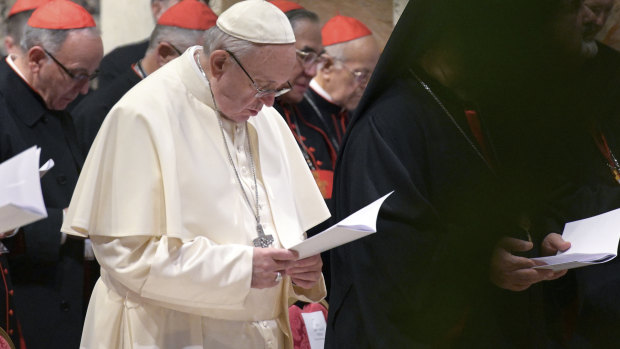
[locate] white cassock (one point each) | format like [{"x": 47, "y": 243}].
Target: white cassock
[{"x": 171, "y": 228}]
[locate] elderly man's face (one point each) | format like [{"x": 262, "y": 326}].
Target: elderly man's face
[
  {"x": 308, "y": 41},
  {"x": 270, "y": 66},
  {"x": 80, "y": 54},
  {"x": 350, "y": 76},
  {"x": 601, "y": 10},
  {"x": 573, "y": 31}
]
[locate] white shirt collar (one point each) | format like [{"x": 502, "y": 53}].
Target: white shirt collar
[
  {"x": 320, "y": 90},
  {"x": 11, "y": 62}
]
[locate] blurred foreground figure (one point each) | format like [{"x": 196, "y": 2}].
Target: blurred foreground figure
[{"x": 460, "y": 120}]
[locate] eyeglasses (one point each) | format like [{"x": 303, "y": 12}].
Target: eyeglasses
[
  {"x": 174, "y": 48},
  {"x": 309, "y": 58},
  {"x": 261, "y": 92},
  {"x": 81, "y": 77},
  {"x": 360, "y": 76}
]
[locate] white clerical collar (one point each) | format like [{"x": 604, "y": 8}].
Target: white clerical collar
[
  {"x": 11, "y": 62},
  {"x": 320, "y": 90},
  {"x": 198, "y": 70}
]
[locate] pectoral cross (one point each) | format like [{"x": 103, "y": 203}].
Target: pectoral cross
[{"x": 262, "y": 241}]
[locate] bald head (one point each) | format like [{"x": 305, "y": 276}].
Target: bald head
[{"x": 345, "y": 75}]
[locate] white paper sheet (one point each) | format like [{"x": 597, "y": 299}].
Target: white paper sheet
[
  {"x": 593, "y": 240},
  {"x": 359, "y": 224},
  {"x": 21, "y": 201}
]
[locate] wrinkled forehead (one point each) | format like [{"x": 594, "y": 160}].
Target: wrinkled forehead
[
  {"x": 363, "y": 52},
  {"x": 271, "y": 63}
]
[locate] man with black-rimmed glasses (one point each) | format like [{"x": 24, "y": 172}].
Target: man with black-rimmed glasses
[{"x": 61, "y": 55}]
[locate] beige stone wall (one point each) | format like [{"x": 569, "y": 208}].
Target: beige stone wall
[{"x": 124, "y": 21}]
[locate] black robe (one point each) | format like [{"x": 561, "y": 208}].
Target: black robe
[
  {"x": 420, "y": 279},
  {"x": 116, "y": 62},
  {"x": 47, "y": 276},
  {"x": 89, "y": 114}
]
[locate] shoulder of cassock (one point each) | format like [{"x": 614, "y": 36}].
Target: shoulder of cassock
[{"x": 129, "y": 183}]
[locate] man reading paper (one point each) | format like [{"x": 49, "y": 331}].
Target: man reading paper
[{"x": 190, "y": 193}]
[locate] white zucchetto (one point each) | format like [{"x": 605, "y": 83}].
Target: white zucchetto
[{"x": 257, "y": 21}]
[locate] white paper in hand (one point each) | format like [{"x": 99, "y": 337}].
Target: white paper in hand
[
  {"x": 21, "y": 201},
  {"x": 593, "y": 240},
  {"x": 359, "y": 224}
]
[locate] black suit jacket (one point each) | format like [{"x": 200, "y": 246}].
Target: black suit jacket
[{"x": 47, "y": 275}]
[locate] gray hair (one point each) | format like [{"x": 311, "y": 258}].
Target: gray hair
[
  {"x": 179, "y": 37},
  {"x": 16, "y": 25},
  {"x": 337, "y": 51},
  {"x": 297, "y": 15},
  {"x": 216, "y": 39},
  {"x": 50, "y": 39}
]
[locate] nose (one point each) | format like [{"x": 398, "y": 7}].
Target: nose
[
  {"x": 83, "y": 86},
  {"x": 311, "y": 69},
  {"x": 268, "y": 100}
]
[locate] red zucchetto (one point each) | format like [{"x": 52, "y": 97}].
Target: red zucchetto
[
  {"x": 341, "y": 29},
  {"x": 61, "y": 14},
  {"x": 25, "y": 5},
  {"x": 286, "y": 6},
  {"x": 189, "y": 14}
]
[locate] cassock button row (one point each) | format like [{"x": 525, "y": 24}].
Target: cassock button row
[
  {"x": 62, "y": 180},
  {"x": 64, "y": 306},
  {"x": 10, "y": 312},
  {"x": 6, "y": 271},
  {"x": 11, "y": 332},
  {"x": 11, "y": 292}
]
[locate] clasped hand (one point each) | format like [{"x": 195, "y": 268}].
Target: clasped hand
[
  {"x": 268, "y": 262},
  {"x": 515, "y": 273}
]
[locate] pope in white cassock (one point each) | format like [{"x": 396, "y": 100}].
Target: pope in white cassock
[{"x": 191, "y": 193}]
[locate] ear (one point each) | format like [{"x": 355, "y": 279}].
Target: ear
[
  {"x": 217, "y": 63},
  {"x": 156, "y": 9},
  {"x": 36, "y": 58},
  {"x": 165, "y": 53},
  {"x": 8, "y": 43}
]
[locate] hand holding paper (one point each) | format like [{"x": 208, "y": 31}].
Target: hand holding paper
[
  {"x": 357, "y": 225},
  {"x": 593, "y": 240}
]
